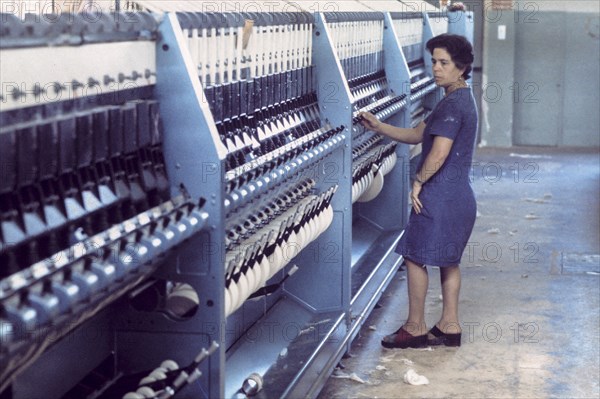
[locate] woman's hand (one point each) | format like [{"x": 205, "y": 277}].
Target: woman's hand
[
  {"x": 369, "y": 121},
  {"x": 414, "y": 196}
]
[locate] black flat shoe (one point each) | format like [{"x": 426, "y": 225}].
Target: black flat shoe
[
  {"x": 402, "y": 339},
  {"x": 440, "y": 338}
]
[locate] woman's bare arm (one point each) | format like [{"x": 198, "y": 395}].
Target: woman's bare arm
[
  {"x": 432, "y": 163},
  {"x": 404, "y": 135}
]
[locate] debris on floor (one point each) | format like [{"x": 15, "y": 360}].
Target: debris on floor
[
  {"x": 537, "y": 200},
  {"x": 411, "y": 377},
  {"x": 494, "y": 231},
  {"x": 531, "y": 216},
  {"x": 373, "y": 328},
  {"x": 352, "y": 376},
  {"x": 475, "y": 265},
  {"x": 528, "y": 156},
  {"x": 387, "y": 359},
  {"x": 428, "y": 349}
]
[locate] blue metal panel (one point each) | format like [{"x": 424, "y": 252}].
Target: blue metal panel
[
  {"x": 432, "y": 98},
  {"x": 325, "y": 285},
  {"x": 461, "y": 23},
  {"x": 193, "y": 165},
  {"x": 427, "y": 35}
]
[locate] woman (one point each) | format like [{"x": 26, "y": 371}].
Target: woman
[{"x": 443, "y": 203}]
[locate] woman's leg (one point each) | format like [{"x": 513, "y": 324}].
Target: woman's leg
[
  {"x": 450, "y": 279},
  {"x": 418, "y": 282}
]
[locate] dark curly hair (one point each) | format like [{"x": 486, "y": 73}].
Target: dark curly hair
[{"x": 459, "y": 49}]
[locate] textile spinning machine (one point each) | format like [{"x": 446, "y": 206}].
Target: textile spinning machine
[{"x": 189, "y": 204}]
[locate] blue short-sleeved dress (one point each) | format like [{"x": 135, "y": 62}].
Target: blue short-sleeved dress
[{"x": 439, "y": 234}]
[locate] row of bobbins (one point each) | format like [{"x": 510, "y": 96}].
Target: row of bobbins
[
  {"x": 369, "y": 175},
  {"x": 286, "y": 226},
  {"x": 169, "y": 378}
]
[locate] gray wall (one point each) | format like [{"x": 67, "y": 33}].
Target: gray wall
[
  {"x": 548, "y": 72},
  {"x": 581, "y": 108},
  {"x": 496, "y": 113}
]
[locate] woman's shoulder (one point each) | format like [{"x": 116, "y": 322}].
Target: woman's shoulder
[
  {"x": 460, "y": 101},
  {"x": 460, "y": 96}
]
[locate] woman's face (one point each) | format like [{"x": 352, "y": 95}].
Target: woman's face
[{"x": 444, "y": 70}]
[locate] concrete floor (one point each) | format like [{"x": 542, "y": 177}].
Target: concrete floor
[{"x": 530, "y": 296}]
